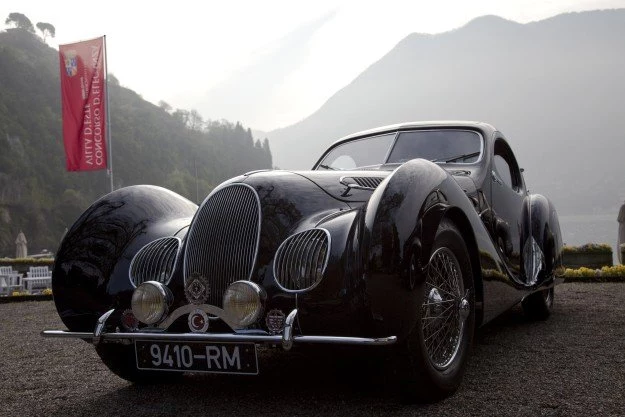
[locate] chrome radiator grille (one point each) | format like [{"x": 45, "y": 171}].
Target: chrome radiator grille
[
  {"x": 301, "y": 259},
  {"x": 155, "y": 261},
  {"x": 223, "y": 240}
]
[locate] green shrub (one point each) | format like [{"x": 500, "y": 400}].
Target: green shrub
[
  {"x": 26, "y": 261},
  {"x": 588, "y": 248}
]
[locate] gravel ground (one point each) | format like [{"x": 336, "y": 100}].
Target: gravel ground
[{"x": 570, "y": 365}]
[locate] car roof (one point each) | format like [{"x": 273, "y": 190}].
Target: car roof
[{"x": 420, "y": 125}]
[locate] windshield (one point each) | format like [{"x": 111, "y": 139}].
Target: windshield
[{"x": 443, "y": 145}]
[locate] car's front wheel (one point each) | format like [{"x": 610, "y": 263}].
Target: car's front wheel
[{"x": 436, "y": 350}]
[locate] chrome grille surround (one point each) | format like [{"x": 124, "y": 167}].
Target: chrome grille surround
[
  {"x": 222, "y": 243},
  {"x": 301, "y": 260},
  {"x": 155, "y": 261}
]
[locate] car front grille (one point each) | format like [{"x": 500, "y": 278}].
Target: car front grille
[
  {"x": 223, "y": 239},
  {"x": 155, "y": 261},
  {"x": 301, "y": 260}
]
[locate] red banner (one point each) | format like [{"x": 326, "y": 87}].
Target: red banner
[{"x": 84, "y": 104}]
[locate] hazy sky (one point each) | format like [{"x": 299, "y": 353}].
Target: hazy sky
[{"x": 266, "y": 63}]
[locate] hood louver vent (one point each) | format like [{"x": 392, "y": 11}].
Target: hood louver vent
[
  {"x": 366, "y": 183},
  {"x": 155, "y": 261}
]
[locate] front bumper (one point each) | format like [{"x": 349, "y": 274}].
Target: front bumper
[{"x": 286, "y": 339}]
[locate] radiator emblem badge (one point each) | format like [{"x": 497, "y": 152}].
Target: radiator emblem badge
[
  {"x": 275, "y": 321},
  {"x": 198, "y": 321},
  {"x": 197, "y": 289}
]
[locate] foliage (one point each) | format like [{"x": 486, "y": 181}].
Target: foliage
[
  {"x": 46, "y": 291},
  {"x": 616, "y": 271},
  {"x": 177, "y": 150},
  {"x": 46, "y": 30},
  {"x": 20, "y": 21},
  {"x": 588, "y": 248},
  {"x": 19, "y": 293}
]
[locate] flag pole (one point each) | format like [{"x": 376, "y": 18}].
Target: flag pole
[{"x": 109, "y": 158}]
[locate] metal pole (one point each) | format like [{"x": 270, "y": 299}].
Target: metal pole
[
  {"x": 197, "y": 192},
  {"x": 109, "y": 158}
]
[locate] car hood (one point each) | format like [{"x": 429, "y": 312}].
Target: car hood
[
  {"x": 339, "y": 184},
  {"x": 332, "y": 183}
]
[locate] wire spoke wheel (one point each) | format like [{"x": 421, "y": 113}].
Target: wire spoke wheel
[{"x": 444, "y": 309}]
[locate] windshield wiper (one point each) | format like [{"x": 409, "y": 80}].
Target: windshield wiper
[
  {"x": 455, "y": 158},
  {"x": 328, "y": 167}
]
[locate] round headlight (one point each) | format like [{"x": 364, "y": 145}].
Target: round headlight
[
  {"x": 151, "y": 301},
  {"x": 242, "y": 302}
]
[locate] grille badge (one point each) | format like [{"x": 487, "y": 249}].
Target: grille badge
[
  {"x": 275, "y": 321},
  {"x": 197, "y": 289}
]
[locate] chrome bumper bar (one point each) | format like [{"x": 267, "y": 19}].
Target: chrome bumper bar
[{"x": 286, "y": 339}]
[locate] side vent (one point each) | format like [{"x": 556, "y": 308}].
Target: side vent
[
  {"x": 363, "y": 183},
  {"x": 155, "y": 261},
  {"x": 301, "y": 260}
]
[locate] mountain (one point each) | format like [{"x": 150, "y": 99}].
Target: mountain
[
  {"x": 150, "y": 146},
  {"x": 555, "y": 88}
]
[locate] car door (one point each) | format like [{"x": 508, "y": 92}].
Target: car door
[{"x": 508, "y": 195}]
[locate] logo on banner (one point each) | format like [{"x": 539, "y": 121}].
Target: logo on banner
[{"x": 71, "y": 63}]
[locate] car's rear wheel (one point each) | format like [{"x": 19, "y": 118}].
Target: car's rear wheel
[
  {"x": 437, "y": 348},
  {"x": 120, "y": 359},
  {"x": 537, "y": 306}
]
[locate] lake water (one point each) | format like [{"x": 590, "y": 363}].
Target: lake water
[{"x": 577, "y": 230}]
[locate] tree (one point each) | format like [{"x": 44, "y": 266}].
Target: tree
[
  {"x": 181, "y": 116},
  {"x": 46, "y": 30},
  {"x": 165, "y": 106},
  {"x": 195, "y": 120},
  {"x": 20, "y": 21},
  {"x": 112, "y": 80}
]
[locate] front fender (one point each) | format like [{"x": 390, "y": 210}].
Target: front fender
[
  {"x": 395, "y": 232},
  {"x": 90, "y": 273}
]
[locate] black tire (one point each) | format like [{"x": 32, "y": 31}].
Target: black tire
[
  {"x": 120, "y": 359},
  {"x": 429, "y": 374},
  {"x": 537, "y": 306}
]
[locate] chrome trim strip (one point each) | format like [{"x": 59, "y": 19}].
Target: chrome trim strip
[
  {"x": 224, "y": 337},
  {"x": 207, "y": 308}
]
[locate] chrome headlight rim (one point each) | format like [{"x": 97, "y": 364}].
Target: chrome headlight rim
[
  {"x": 258, "y": 295},
  {"x": 323, "y": 269},
  {"x": 163, "y": 296}
]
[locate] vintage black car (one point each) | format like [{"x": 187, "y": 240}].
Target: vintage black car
[{"x": 406, "y": 237}]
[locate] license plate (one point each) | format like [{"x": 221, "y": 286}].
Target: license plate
[{"x": 221, "y": 358}]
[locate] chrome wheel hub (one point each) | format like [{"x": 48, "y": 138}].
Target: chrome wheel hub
[{"x": 445, "y": 308}]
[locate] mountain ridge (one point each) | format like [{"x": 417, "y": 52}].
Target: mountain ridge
[{"x": 548, "y": 85}]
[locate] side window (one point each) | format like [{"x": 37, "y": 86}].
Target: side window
[
  {"x": 506, "y": 166},
  {"x": 503, "y": 170}
]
